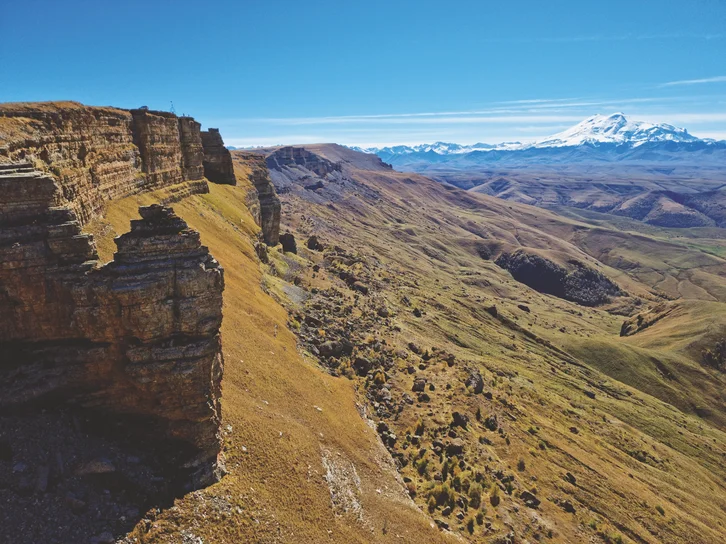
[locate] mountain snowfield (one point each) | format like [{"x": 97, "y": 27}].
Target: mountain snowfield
[
  {"x": 599, "y": 129},
  {"x": 616, "y": 129},
  {"x": 598, "y": 139}
]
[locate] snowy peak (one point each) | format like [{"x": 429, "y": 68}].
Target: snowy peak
[
  {"x": 598, "y": 130},
  {"x": 614, "y": 129},
  {"x": 439, "y": 148}
]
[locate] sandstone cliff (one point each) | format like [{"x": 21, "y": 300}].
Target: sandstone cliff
[
  {"x": 263, "y": 203},
  {"x": 299, "y": 156},
  {"x": 136, "y": 340},
  {"x": 99, "y": 154},
  {"x": 217, "y": 158}
]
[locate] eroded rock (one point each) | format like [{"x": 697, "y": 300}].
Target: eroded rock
[{"x": 136, "y": 340}]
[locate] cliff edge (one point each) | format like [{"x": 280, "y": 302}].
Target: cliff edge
[{"x": 136, "y": 340}]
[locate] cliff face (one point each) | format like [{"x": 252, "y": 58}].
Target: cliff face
[
  {"x": 136, "y": 340},
  {"x": 264, "y": 203},
  {"x": 99, "y": 154},
  {"x": 217, "y": 158},
  {"x": 298, "y": 156}
]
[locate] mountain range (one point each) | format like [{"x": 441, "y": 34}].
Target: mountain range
[{"x": 600, "y": 138}]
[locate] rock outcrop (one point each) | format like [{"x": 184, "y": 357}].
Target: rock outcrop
[
  {"x": 134, "y": 341},
  {"x": 582, "y": 284},
  {"x": 218, "y": 166},
  {"x": 264, "y": 204},
  {"x": 99, "y": 154},
  {"x": 299, "y": 156}
]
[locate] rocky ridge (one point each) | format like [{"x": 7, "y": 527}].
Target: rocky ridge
[{"x": 100, "y": 154}]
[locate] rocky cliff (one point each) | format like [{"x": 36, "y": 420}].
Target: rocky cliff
[
  {"x": 99, "y": 154},
  {"x": 264, "y": 203},
  {"x": 298, "y": 156},
  {"x": 134, "y": 341},
  {"x": 217, "y": 158}
]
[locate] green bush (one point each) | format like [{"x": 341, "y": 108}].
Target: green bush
[{"x": 475, "y": 492}]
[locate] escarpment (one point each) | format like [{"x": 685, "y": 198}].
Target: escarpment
[
  {"x": 135, "y": 342},
  {"x": 264, "y": 202},
  {"x": 99, "y": 154},
  {"x": 217, "y": 158},
  {"x": 298, "y": 156}
]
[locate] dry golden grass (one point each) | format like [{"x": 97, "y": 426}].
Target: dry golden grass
[
  {"x": 632, "y": 454},
  {"x": 632, "y": 451},
  {"x": 281, "y": 412}
]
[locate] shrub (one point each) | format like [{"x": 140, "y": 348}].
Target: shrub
[
  {"x": 494, "y": 498},
  {"x": 470, "y": 526},
  {"x": 411, "y": 488},
  {"x": 660, "y": 509},
  {"x": 480, "y": 518},
  {"x": 475, "y": 491},
  {"x": 432, "y": 504},
  {"x": 443, "y": 495},
  {"x": 520, "y": 465},
  {"x": 717, "y": 356}
]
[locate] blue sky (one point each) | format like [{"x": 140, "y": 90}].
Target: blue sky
[{"x": 373, "y": 72}]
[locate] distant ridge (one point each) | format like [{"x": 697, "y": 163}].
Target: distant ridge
[{"x": 609, "y": 138}]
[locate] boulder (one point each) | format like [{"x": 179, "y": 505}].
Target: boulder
[
  {"x": 491, "y": 423},
  {"x": 455, "y": 447},
  {"x": 459, "y": 420},
  {"x": 362, "y": 366},
  {"x": 288, "y": 243},
  {"x": 261, "y": 250},
  {"x": 475, "y": 382},
  {"x": 314, "y": 244},
  {"x": 419, "y": 384}
]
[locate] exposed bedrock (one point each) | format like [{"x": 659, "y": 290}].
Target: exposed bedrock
[
  {"x": 264, "y": 204},
  {"x": 99, "y": 154},
  {"x": 298, "y": 156},
  {"x": 134, "y": 341},
  {"x": 582, "y": 284},
  {"x": 218, "y": 166}
]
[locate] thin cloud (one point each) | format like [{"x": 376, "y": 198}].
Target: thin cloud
[
  {"x": 519, "y": 110},
  {"x": 607, "y": 38},
  {"x": 717, "y": 79}
]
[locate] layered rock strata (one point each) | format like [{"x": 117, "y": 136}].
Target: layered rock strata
[
  {"x": 218, "y": 166},
  {"x": 297, "y": 156},
  {"x": 100, "y": 154},
  {"x": 264, "y": 204},
  {"x": 135, "y": 342}
]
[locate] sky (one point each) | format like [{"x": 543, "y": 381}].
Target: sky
[{"x": 375, "y": 73}]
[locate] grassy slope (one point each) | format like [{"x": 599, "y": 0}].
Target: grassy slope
[
  {"x": 275, "y": 491},
  {"x": 633, "y": 451}
]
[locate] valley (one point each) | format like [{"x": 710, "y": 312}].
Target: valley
[
  {"x": 403, "y": 359},
  {"x": 500, "y": 404}
]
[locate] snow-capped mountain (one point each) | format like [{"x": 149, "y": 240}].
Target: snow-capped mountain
[
  {"x": 614, "y": 129},
  {"x": 600, "y": 138},
  {"x": 440, "y": 148}
]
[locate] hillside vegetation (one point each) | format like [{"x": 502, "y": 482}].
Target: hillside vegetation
[{"x": 391, "y": 382}]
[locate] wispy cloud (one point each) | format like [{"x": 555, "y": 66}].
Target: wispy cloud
[
  {"x": 457, "y": 119},
  {"x": 493, "y": 122},
  {"x": 607, "y": 38},
  {"x": 540, "y": 110},
  {"x": 717, "y": 79}
]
